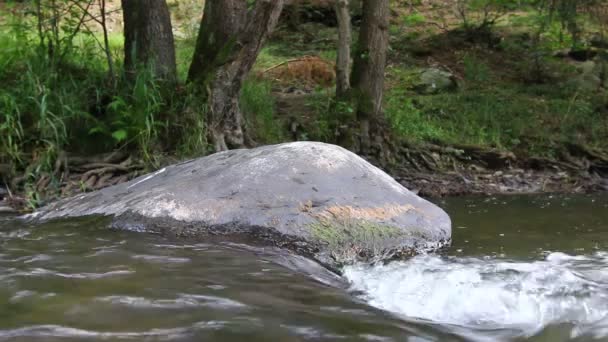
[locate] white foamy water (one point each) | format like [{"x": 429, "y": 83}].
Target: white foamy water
[{"x": 487, "y": 294}]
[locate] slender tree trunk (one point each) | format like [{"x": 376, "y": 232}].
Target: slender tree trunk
[
  {"x": 106, "y": 41},
  {"x": 149, "y": 37},
  {"x": 229, "y": 42},
  {"x": 343, "y": 63},
  {"x": 368, "y": 69}
]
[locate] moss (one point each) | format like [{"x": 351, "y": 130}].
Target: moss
[{"x": 351, "y": 240}]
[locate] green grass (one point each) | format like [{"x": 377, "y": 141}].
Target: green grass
[
  {"x": 258, "y": 105},
  {"x": 488, "y": 111}
]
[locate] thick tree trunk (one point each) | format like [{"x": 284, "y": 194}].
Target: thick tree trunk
[
  {"x": 226, "y": 51},
  {"x": 368, "y": 69},
  {"x": 343, "y": 62},
  {"x": 222, "y": 22},
  {"x": 149, "y": 37}
]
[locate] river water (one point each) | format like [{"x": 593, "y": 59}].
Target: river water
[{"x": 520, "y": 268}]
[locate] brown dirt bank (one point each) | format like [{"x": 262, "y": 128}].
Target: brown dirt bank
[
  {"x": 429, "y": 170},
  {"x": 438, "y": 171}
]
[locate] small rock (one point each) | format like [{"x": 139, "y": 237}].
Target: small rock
[
  {"x": 599, "y": 41},
  {"x": 476, "y": 168},
  {"x": 435, "y": 80},
  {"x": 589, "y": 78},
  {"x": 6, "y": 209}
]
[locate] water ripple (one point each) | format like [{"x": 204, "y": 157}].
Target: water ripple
[
  {"x": 36, "y": 272},
  {"x": 58, "y": 331},
  {"x": 160, "y": 258},
  {"x": 182, "y": 301}
]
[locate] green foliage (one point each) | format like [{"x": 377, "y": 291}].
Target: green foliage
[
  {"x": 11, "y": 129},
  {"x": 48, "y": 106},
  {"x": 58, "y": 22},
  {"x": 507, "y": 117},
  {"x": 475, "y": 70},
  {"x": 332, "y": 117},
  {"x": 414, "y": 19},
  {"x": 184, "y": 50},
  {"x": 39, "y": 100},
  {"x": 132, "y": 114},
  {"x": 258, "y": 105},
  {"x": 192, "y": 130},
  {"x": 408, "y": 121},
  {"x": 482, "y": 14}
]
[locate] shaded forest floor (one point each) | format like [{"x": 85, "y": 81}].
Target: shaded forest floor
[{"x": 481, "y": 112}]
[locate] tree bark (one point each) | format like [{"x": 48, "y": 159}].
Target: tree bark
[
  {"x": 221, "y": 24},
  {"x": 343, "y": 62},
  {"x": 149, "y": 37},
  {"x": 368, "y": 69},
  {"x": 229, "y": 42}
]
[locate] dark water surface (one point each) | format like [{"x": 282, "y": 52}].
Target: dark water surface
[{"x": 520, "y": 268}]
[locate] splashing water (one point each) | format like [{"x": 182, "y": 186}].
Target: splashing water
[{"x": 493, "y": 294}]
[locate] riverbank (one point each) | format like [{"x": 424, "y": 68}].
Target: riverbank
[
  {"x": 511, "y": 108},
  {"x": 432, "y": 171},
  {"x": 439, "y": 171}
]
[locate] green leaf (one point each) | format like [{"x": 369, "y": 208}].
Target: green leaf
[
  {"x": 414, "y": 19},
  {"x": 96, "y": 129},
  {"x": 119, "y": 135}
]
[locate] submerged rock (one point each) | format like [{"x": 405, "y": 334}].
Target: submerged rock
[
  {"x": 6, "y": 209},
  {"x": 317, "y": 199}
]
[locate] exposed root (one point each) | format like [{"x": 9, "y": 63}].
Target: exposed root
[{"x": 71, "y": 175}]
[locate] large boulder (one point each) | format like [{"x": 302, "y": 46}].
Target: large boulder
[{"x": 317, "y": 199}]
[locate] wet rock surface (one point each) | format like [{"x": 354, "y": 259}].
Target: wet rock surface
[
  {"x": 317, "y": 199},
  {"x": 6, "y": 209}
]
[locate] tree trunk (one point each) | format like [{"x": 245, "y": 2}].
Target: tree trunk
[
  {"x": 217, "y": 35},
  {"x": 368, "y": 69},
  {"x": 229, "y": 42},
  {"x": 344, "y": 41},
  {"x": 149, "y": 37}
]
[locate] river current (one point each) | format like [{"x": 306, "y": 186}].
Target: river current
[{"x": 525, "y": 268}]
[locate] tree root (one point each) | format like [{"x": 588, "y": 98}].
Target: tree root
[{"x": 73, "y": 174}]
